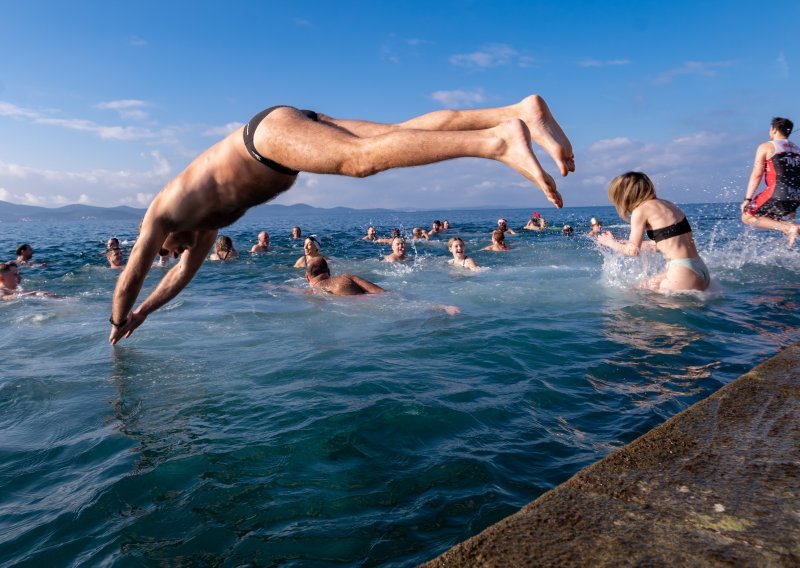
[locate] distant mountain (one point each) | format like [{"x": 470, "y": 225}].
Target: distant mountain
[{"x": 15, "y": 213}]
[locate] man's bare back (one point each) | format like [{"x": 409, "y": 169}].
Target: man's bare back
[{"x": 347, "y": 285}]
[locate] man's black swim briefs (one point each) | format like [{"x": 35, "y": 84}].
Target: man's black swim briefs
[{"x": 249, "y": 132}]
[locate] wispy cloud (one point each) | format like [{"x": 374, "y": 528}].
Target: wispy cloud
[
  {"x": 607, "y": 63},
  {"x": 699, "y": 164},
  {"x": 494, "y": 55},
  {"x": 126, "y": 108},
  {"x": 704, "y": 69},
  {"x": 47, "y": 187},
  {"x": 136, "y": 41},
  {"x": 220, "y": 131},
  {"x": 102, "y": 131},
  {"x": 458, "y": 98},
  {"x": 783, "y": 65}
]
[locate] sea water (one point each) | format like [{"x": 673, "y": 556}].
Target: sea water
[{"x": 251, "y": 422}]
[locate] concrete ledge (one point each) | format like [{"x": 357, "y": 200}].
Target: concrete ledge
[{"x": 717, "y": 484}]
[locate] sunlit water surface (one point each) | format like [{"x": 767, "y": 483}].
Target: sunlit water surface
[{"x": 251, "y": 422}]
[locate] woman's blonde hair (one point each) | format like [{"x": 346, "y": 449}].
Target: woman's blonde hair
[
  {"x": 454, "y": 240},
  {"x": 630, "y": 190},
  {"x": 224, "y": 243}
]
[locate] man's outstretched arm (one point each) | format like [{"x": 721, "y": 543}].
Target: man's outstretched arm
[{"x": 173, "y": 282}]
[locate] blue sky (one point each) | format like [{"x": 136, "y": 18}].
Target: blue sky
[{"x": 103, "y": 102}]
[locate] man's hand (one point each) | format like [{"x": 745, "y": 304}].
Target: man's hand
[{"x": 133, "y": 321}]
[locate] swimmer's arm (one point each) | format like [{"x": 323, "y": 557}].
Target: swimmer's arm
[
  {"x": 171, "y": 284},
  {"x": 633, "y": 245},
  {"x": 512, "y": 231},
  {"x": 369, "y": 287},
  {"x": 130, "y": 281},
  {"x": 471, "y": 264},
  {"x": 301, "y": 262},
  {"x": 759, "y": 165}
]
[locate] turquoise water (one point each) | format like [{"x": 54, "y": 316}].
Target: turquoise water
[{"x": 252, "y": 423}]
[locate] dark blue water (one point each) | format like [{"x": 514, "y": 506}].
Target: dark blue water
[{"x": 252, "y": 423}]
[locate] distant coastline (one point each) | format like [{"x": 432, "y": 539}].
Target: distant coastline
[{"x": 16, "y": 213}]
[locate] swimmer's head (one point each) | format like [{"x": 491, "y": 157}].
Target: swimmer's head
[
  {"x": 9, "y": 275},
  {"x": 176, "y": 243},
  {"x": 114, "y": 256},
  {"x": 316, "y": 267},
  {"x": 594, "y": 221},
  {"x": 630, "y": 190},
  {"x": 399, "y": 246},
  {"x": 566, "y": 230},
  {"x": 535, "y": 215},
  {"x": 501, "y": 223},
  {"x": 311, "y": 245},
  {"x": 113, "y": 243},
  {"x": 263, "y": 238},
  {"x": 456, "y": 245},
  {"x": 25, "y": 251},
  {"x": 224, "y": 244},
  {"x": 395, "y": 233},
  {"x": 372, "y": 231},
  {"x": 783, "y": 126},
  {"x": 417, "y": 232},
  {"x": 498, "y": 236},
  {"x": 296, "y": 233}
]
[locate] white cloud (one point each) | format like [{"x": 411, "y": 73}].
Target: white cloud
[
  {"x": 704, "y": 69},
  {"x": 607, "y": 63},
  {"x": 493, "y": 55},
  {"x": 458, "y": 98},
  {"x": 104, "y": 132},
  {"x": 222, "y": 131},
  {"x": 783, "y": 65},
  {"x": 126, "y": 108}
]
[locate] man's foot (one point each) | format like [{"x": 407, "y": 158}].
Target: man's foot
[
  {"x": 791, "y": 236},
  {"x": 516, "y": 152},
  {"x": 546, "y": 132}
]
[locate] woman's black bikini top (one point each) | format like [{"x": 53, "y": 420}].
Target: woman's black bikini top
[{"x": 679, "y": 228}]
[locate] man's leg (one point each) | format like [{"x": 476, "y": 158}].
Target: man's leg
[
  {"x": 788, "y": 228},
  {"x": 291, "y": 139},
  {"x": 533, "y": 110}
]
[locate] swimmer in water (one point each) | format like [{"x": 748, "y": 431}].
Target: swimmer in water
[
  {"x": 114, "y": 257},
  {"x": 311, "y": 249},
  {"x": 263, "y": 243},
  {"x": 372, "y": 234},
  {"x": 319, "y": 278},
  {"x": 10, "y": 279},
  {"x": 498, "y": 242},
  {"x": 436, "y": 228},
  {"x": 419, "y": 233},
  {"x": 224, "y": 249},
  {"x": 536, "y": 223},
  {"x": 457, "y": 248},
  {"x": 297, "y": 234},
  {"x": 398, "y": 251},
  {"x": 503, "y": 226},
  {"x": 595, "y": 227},
  {"x": 634, "y": 195}
]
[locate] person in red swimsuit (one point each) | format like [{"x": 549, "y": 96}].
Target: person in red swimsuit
[{"x": 778, "y": 162}]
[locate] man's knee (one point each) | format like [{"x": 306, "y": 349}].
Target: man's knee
[
  {"x": 748, "y": 218},
  {"x": 358, "y": 165}
]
